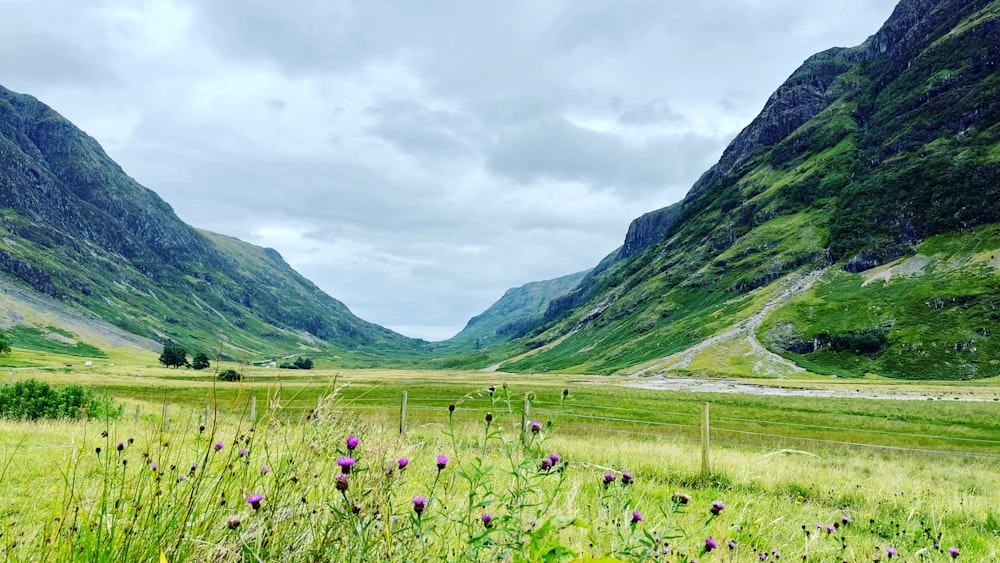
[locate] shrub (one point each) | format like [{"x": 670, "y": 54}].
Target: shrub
[
  {"x": 229, "y": 375},
  {"x": 33, "y": 400}
]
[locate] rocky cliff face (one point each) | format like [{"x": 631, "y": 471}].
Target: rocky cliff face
[{"x": 648, "y": 230}]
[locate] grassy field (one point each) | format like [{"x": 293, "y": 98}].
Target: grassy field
[{"x": 916, "y": 477}]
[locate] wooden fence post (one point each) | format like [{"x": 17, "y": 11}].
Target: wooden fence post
[
  {"x": 253, "y": 411},
  {"x": 402, "y": 415},
  {"x": 165, "y": 423},
  {"x": 137, "y": 412},
  {"x": 208, "y": 414},
  {"x": 525, "y": 423},
  {"x": 706, "y": 467}
]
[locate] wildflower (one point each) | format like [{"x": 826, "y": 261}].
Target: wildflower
[
  {"x": 419, "y": 504},
  {"x": 626, "y": 478},
  {"x": 762, "y": 557},
  {"x": 403, "y": 462},
  {"x": 555, "y": 458},
  {"x": 954, "y": 552},
  {"x": 341, "y": 482},
  {"x": 845, "y": 519},
  {"x": 153, "y": 466},
  {"x": 487, "y": 520},
  {"x": 731, "y": 544},
  {"x": 345, "y": 463},
  {"x": 219, "y": 446},
  {"x": 97, "y": 450},
  {"x": 710, "y": 543},
  {"x": 492, "y": 390},
  {"x": 181, "y": 478},
  {"x": 776, "y": 553},
  {"x": 636, "y": 517},
  {"x": 890, "y": 551},
  {"x": 352, "y": 442},
  {"x": 254, "y": 501},
  {"x": 546, "y": 464},
  {"x": 233, "y": 522},
  {"x": 536, "y": 427},
  {"x": 194, "y": 467},
  {"x": 201, "y": 428},
  {"x": 442, "y": 462},
  {"x": 682, "y": 498},
  {"x": 565, "y": 393},
  {"x": 451, "y": 408},
  {"x": 355, "y": 508},
  {"x": 121, "y": 446},
  {"x": 489, "y": 417},
  {"x": 608, "y": 479},
  {"x": 717, "y": 507},
  {"x": 244, "y": 452},
  {"x": 265, "y": 469},
  {"x": 829, "y": 529}
]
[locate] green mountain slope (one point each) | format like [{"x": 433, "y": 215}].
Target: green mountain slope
[
  {"x": 885, "y": 155},
  {"x": 75, "y": 227}
]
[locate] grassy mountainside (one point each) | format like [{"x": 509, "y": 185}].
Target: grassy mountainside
[
  {"x": 885, "y": 155},
  {"x": 76, "y": 228}
]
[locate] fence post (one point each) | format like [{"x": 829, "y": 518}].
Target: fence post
[
  {"x": 208, "y": 414},
  {"x": 402, "y": 415},
  {"x": 706, "y": 468},
  {"x": 525, "y": 415},
  {"x": 165, "y": 423},
  {"x": 137, "y": 412},
  {"x": 253, "y": 410}
]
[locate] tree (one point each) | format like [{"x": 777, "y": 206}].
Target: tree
[
  {"x": 200, "y": 361},
  {"x": 174, "y": 357},
  {"x": 305, "y": 363},
  {"x": 4, "y": 344}
]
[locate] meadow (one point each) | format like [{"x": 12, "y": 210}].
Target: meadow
[{"x": 604, "y": 472}]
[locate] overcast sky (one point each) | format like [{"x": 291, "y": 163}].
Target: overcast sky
[{"x": 415, "y": 159}]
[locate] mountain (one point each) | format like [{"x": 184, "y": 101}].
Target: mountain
[
  {"x": 519, "y": 310},
  {"x": 78, "y": 230},
  {"x": 850, "y": 228}
]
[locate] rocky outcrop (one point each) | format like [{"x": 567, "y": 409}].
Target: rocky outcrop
[{"x": 648, "y": 230}]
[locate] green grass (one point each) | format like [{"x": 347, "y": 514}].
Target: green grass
[{"x": 774, "y": 489}]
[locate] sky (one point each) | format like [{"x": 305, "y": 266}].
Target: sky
[{"x": 417, "y": 159}]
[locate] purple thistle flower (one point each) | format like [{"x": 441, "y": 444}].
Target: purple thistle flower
[
  {"x": 776, "y": 553},
  {"x": 244, "y": 452},
  {"x": 626, "y": 478},
  {"x": 153, "y": 466},
  {"x": 442, "y": 462},
  {"x": 403, "y": 462},
  {"x": 717, "y": 507},
  {"x": 121, "y": 446},
  {"x": 636, "y": 517},
  {"x": 845, "y": 519},
  {"x": 342, "y": 482},
  {"x": 954, "y": 552},
  {"x": 546, "y": 464},
  {"x": 731, "y": 544},
  {"x": 710, "y": 543},
  {"x": 254, "y": 501},
  {"x": 181, "y": 478},
  {"x": 829, "y": 529},
  {"x": 352, "y": 442},
  {"x": 890, "y": 551},
  {"x": 487, "y": 520},
  {"x": 345, "y": 463},
  {"x": 419, "y": 504},
  {"x": 233, "y": 522},
  {"x": 536, "y": 427},
  {"x": 762, "y": 557},
  {"x": 608, "y": 479},
  {"x": 555, "y": 458},
  {"x": 219, "y": 446},
  {"x": 682, "y": 498},
  {"x": 265, "y": 469}
]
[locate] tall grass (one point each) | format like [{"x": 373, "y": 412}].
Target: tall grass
[{"x": 294, "y": 489}]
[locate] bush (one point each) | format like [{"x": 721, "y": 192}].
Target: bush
[
  {"x": 229, "y": 375},
  {"x": 33, "y": 400},
  {"x": 300, "y": 363}
]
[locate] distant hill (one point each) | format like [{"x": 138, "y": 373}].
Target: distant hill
[
  {"x": 75, "y": 228},
  {"x": 851, "y": 228}
]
